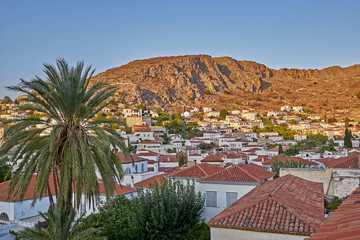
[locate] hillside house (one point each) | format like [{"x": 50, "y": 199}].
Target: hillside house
[
  {"x": 223, "y": 188},
  {"x": 288, "y": 207}
]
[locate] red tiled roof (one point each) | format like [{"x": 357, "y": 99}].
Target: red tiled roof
[
  {"x": 167, "y": 158},
  {"x": 147, "y": 154},
  {"x": 4, "y": 189},
  {"x": 119, "y": 189},
  {"x": 197, "y": 171},
  {"x": 288, "y": 204},
  {"x": 252, "y": 150},
  {"x": 152, "y": 180},
  {"x": 240, "y": 173},
  {"x": 351, "y": 161},
  {"x": 212, "y": 158},
  {"x": 283, "y": 158},
  {"x": 260, "y": 158},
  {"x": 343, "y": 223},
  {"x": 236, "y": 155},
  {"x": 128, "y": 159}
]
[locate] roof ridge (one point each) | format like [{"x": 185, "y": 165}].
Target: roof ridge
[
  {"x": 252, "y": 176},
  {"x": 181, "y": 170},
  {"x": 202, "y": 170},
  {"x": 260, "y": 201},
  {"x": 218, "y": 172},
  {"x": 280, "y": 185}
]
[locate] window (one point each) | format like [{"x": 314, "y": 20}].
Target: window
[
  {"x": 4, "y": 216},
  {"x": 142, "y": 167},
  {"x": 231, "y": 197},
  {"x": 127, "y": 171},
  {"x": 211, "y": 199}
]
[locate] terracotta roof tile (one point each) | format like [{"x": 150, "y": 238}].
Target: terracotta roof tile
[
  {"x": 351, "y": 161},
  {"x": 240, "y": 173},
  {"x": 128, "y": 159},
  {"x": 212, "y": 158},
  {"x": 197, "y": 171},
  {"x": 152, "y": 180},
  {"x": 288, "y": 204},
  {"x": 283, "y": 158},
  {"x": 167, "y": 158},
  {"x": 343, "y": 223},
  {"x": 4, "y": 189}
]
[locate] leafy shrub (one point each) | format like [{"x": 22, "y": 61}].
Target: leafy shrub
[{"x": 167, "y": 211}]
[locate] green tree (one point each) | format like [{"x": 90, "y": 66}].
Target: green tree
[
  {"x": 170, "y": 210},
  {"x": 5, "y": 170},
  {"x": 167, "y": 211},
  {"x": 182, "y": 158},
  {"x": 280, "y": 149},
  {"x": 7, "y": 99},
  {"x": 206, "y": 145},
  {"x": 347, "y": 139},
  {"x": 277, "y": 165},
  {"x": 70, "y": 146},
  {"x": 113, "y": 220},
  {"x": 291, "y": 151},
  {"x": 60, "y": 225},
  {"x": 223, "y": 113},
  {"x": 141, "y": 107}
]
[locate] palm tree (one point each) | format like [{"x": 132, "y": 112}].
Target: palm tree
[
  {"x": 70, "y": 146},
  {"x": 60, "y": 225}
]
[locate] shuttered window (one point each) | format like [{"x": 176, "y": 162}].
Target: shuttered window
[
  {"x": 231, "y": 197},
  {"x": 211, "y": 199}
]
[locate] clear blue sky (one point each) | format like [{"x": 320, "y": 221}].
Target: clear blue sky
[{"x": 106, "y": 34}]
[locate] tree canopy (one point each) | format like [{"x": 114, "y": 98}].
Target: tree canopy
[
  {"x": 170, "y": 210},
  {"x": 69, "y": 146}
]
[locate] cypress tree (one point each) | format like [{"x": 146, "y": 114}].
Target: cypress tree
[
  {"x": 347, "y": 139},
  {"x": 280, "y": 149}
]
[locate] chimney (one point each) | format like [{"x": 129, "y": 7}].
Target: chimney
[
  {"x": 132, "y": 181},
  {"x": 262, "y": 160}
]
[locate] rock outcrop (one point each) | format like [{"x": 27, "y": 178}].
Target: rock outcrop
[{"x": 199, "y": 80}]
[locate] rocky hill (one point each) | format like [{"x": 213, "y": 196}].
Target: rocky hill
[{"x": 181, "y": 82}]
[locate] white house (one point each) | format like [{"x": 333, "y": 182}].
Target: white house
[
  {"x": 211, "y": 134},
  {"x": 213, "y": 114},
  {"x": 12, "y": 209},
  {"x": 225, "y": 187},
  {"x": 207, "y": 109},
  {"x": 299, "y": 137},
  {"x": 286, "y": 108},
  {"x": 249, "y": 115},
  {"x": 298, "y": 109},
  {"x": 287, "y": 208}
]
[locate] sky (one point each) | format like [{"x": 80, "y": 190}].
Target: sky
[{"x": 106, "y": 34}]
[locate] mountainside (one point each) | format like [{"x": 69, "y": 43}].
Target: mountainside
[{"x": 181, "y": 82}]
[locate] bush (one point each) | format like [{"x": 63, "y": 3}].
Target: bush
[
  {"x": 207, "y": 92},
  {"x": 277, "y": 165},
  {"x": 227, "y": 92},
  {"x": 169, "y": 211},
  {"x": 206, "y": 145},
  {"x": 113, "y": 220},
  {"x": 200, "y": 231}
]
